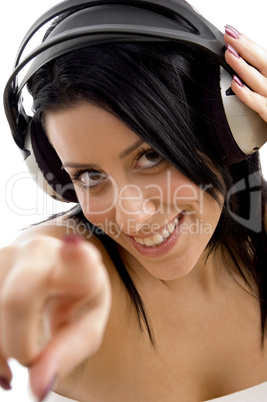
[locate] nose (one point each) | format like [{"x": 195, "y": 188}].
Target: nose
[{"x": 133, "y": 209}]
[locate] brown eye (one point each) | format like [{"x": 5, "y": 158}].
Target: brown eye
[
  {"x": 92, "y": 178},
  {"x": 148, "y": 159}
]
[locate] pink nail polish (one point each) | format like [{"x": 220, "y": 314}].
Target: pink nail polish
[
  {"x": 232, "y": 32},
  {"x": 233, "y": 51},
  {"x": 5, "y": 384},
  {"x": 238, "y": 81}
]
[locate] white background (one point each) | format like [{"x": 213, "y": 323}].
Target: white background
[{"x": 20, "y": 202}]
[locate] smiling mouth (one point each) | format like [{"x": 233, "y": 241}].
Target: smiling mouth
[{"x": 158, "y": 238}]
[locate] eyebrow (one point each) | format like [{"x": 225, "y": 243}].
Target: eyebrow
[
  {"x": 122, "y": 155},
  {"x": 78, "y": 165},
  {"x": 132, "y": 148}
]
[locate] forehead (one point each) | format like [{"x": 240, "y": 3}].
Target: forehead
[{"x": 87, "y": 129}]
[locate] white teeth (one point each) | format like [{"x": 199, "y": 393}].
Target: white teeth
[
  {"x": 165, "y": 234},
  {"x": 141, "y": 241},
  {"x": 148, "y": 241},
  {"x": 171, "y": 227},
  {"x": 159, "y": 237}
]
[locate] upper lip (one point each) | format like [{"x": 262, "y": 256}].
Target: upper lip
[{"x": 159, "y": 230}]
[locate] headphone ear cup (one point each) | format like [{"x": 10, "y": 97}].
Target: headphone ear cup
[
  {"x": 55, "y": 181},
  {"x": 220, "y": 135},
  {"x": 248, "y": 129}
]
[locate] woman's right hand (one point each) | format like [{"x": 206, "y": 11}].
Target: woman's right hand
[{"x": 55, "y": 300}]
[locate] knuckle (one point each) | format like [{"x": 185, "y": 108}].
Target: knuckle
[
  {"x": 7, "y": 254},
  {"x": 8, "y": 251},
  {"x": 10, "y": 299},
  {"x": 33, "y": 245},
  {"x": 40, "y": 245},
  {"x": 247, "y": 47},
  {"x": 15, "y": 295}
]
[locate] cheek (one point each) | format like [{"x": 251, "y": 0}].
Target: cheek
[
  {"x": 211, "y": 209},
  {"x": 98, "y": 210},
  {"x": 179, "y": 190},
  {"x": 195, "y": 201}
]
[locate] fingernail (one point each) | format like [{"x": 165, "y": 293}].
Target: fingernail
[
  {"x": 72, "y": 239},
  {"x": 233, "y": 51},
  {"x": 238, "y": 81},
  {"x": 49, "y": 388},
  {"x": 5, "y": 384},
  {"x": 232, "y": 31}
]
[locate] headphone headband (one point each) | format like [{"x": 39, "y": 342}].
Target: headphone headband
[{"x": 204, "y": 28}]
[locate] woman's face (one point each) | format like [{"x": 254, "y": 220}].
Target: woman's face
[{"x": 160, "y": 218}]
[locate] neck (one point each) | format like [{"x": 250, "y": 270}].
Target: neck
[{"x": 209, "y": 273}]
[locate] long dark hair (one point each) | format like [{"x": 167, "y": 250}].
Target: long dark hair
[{"x": 160, "y": 91}]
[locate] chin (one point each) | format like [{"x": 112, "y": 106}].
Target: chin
[{"x": 171, "y": 271}]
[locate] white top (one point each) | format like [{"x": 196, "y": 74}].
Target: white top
[
  {"x": 253, "y": 394},
  {"x": 257, "y": 393}
]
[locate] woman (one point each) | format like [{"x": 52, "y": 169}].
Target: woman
[{"x": 162, "y": 296}]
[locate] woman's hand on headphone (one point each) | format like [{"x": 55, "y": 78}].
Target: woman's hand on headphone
[
  {"x": 249, "y": 61},
  {"x": 54, "y": 306}
]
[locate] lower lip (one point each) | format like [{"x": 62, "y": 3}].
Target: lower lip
[{"x": 160, "y": 250}]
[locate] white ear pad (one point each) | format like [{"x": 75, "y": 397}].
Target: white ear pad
[
  {"x": 248, "y": 128},
  {"x": 34, "y": 169}
]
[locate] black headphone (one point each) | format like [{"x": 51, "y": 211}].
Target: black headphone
[{"x": 109, "y": 21}]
